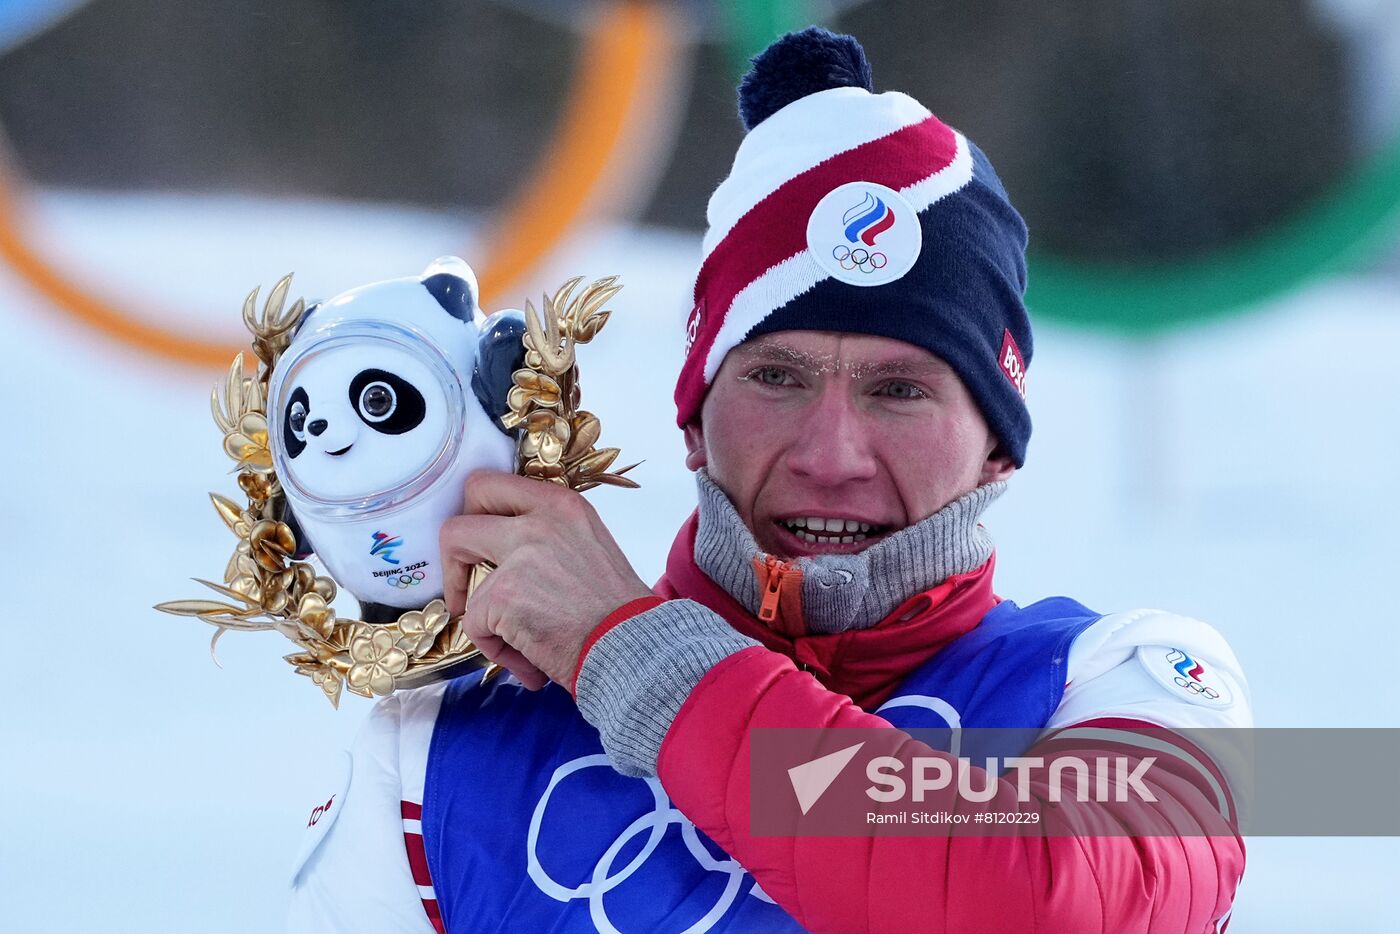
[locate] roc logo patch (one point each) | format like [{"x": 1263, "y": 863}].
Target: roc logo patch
[
  {"x": 1185, "y": 675},
  {"x": 864, "y": 234},
  {"x": 692, "y": 325},
  {"x": 321, "y": 815},
  {"x": 1012, "y": 363}
]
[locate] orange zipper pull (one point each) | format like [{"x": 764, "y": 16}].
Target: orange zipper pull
[{"x": 771, "y": 584}]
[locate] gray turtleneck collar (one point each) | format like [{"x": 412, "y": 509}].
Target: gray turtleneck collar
[{"x": 847, "y": 592}]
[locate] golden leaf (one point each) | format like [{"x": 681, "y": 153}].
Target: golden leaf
[
  {"x": 588, "y": 329},
  {"x": 330, "y": 683},
  {"x": 273, "y": 307},
  {"x": 227, "y": 509},
  {"x": 612, "y": 479},
  {"x": 250, "y": 311},
  {"x": 585, "y": 429},
  {"x": 252, "y": 396},
  {"x": 228, "y": 591},
  {"x": 595, "y": 462},
  {"x": 196, "y": 607},
  {"x": 556, "y": 354},
  {"x": 287, "y": 323}
]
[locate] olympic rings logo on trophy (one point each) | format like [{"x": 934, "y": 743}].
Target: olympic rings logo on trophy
[
  {"x": 406, "y": 580},
  {"x": 374, "y": 405}
]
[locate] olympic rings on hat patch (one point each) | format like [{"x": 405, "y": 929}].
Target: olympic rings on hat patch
[{"x": 859, "y": 258}]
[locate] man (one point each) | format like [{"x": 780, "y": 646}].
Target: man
[{"x": 852, "y": 400}]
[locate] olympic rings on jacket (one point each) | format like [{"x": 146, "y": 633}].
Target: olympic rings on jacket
[{"x": 607, "y": 875}]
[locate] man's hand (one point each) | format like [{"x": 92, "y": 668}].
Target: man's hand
[{"x": 558, "y": 574}]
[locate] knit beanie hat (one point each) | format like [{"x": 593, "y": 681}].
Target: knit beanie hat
[{"x": 863, "y": 213}]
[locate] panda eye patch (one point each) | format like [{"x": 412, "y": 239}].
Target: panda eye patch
[
  {"x": 378, "y": 401},
  {"x": 294, "y": 423},
  {"x": 297, "y": 420},
  {"x": 387, "y": 402}
]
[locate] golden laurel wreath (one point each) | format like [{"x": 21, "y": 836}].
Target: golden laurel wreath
[{"x": 270, "y": 591}]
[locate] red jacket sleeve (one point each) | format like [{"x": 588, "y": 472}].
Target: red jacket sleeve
[{"x": 1079, "y": 884}]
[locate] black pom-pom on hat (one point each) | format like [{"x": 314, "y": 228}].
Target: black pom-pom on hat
[{"x": 798, "y": 64}]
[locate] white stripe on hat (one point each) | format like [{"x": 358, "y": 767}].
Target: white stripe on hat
[
  {"x": 798, "y": 137},
  {"x": 800, "y": 272}
]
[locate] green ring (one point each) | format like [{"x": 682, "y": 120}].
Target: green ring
[{"x": 1335, "y": 232}]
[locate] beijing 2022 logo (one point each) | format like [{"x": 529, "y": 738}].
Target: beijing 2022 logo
[
  {"x": 385, "y": 547},
  {"x": 864, "y": 234}
]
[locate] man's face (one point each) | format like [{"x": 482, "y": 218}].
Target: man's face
[{"x": 829, "y": 442}]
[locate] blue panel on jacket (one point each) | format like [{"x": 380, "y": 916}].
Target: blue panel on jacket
[{"x": 528, "y": 828}]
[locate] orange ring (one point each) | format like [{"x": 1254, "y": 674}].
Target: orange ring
[
  {"x": 624, "y": 59},
  {"x": 624, "y": 52}
]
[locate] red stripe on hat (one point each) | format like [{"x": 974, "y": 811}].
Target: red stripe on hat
[{"x": 775, "y": 229}]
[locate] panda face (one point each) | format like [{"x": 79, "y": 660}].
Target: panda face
[{"x": 361, "y": 419}]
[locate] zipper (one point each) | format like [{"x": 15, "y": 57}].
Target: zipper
[{"x": 771, "y": 585}]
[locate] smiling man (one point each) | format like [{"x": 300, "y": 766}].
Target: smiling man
[{"x": 853, "y": 398}]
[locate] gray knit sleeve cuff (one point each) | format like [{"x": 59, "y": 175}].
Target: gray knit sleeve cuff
[{"x": 636, "y": 677}]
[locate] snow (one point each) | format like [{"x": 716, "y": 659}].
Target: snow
[{"x": 1241, "y": 472}]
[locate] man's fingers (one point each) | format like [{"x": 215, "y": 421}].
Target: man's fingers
[
  {"x": 474, "y": 539},
  {"x": 505, "y": 494},
  {"x": 455, "y": 576},
  {"x": 517, "y": 664},
  {"x": 477, "y": 625}
]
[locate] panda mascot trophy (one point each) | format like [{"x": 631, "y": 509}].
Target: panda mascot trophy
[{"x": 352, "y": 443}]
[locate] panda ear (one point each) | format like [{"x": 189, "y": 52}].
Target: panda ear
[
  {"x": 499, "y": 353},
  {"x": 452, "y": 282}
]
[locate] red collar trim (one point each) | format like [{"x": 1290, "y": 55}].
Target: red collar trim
[{"x": 866, "y": 665}]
